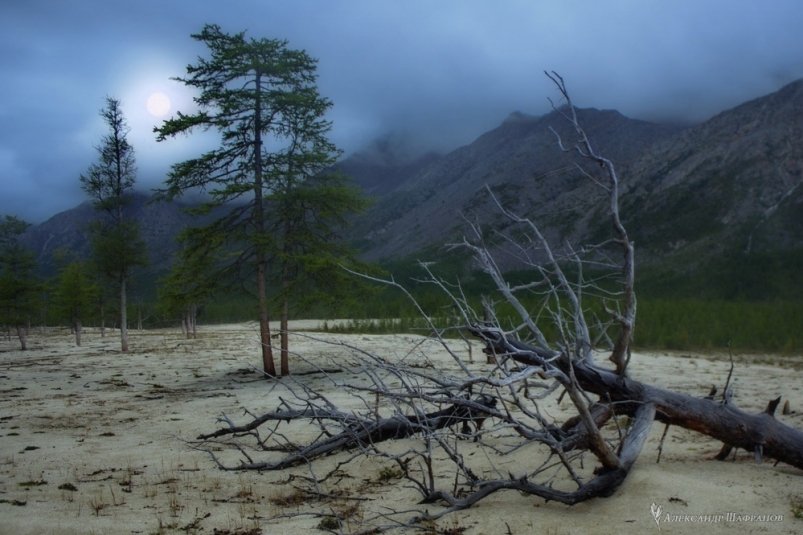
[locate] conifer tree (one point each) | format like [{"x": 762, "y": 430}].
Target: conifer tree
[
  {"x": 262, "y": 99},
  {"x": 19, "y": 288},
  {"x": 75, "y": 295},
  {"x": 116, "y": 241}
]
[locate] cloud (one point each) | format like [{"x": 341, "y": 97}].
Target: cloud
[{"x": 443, "y": 71}]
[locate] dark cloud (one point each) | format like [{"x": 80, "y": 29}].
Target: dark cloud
[{"x": 441, "y": 72}]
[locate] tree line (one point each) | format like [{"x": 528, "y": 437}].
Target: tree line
[{"x": 278, "y": 207}]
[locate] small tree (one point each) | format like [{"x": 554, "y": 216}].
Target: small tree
[
  {"x": 189, "y": 284},
  {"x": 75, "y": 296},
  {"x": 116, "y": 243},
  {"x": 19, "y": 288},
  {"x": 308, "y": 211},
  {"x": 261, "y": 97}
]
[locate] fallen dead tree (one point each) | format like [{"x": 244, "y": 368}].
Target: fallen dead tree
[
  {"x": 428, "y": 413},
  {"x": 360, "y": 431}
]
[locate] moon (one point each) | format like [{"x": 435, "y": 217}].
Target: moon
[{"x": 158, "y": 104}]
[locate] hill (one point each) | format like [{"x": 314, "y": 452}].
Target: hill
[{"x": 68, "y": 231}]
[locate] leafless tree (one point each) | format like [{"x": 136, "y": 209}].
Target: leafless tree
[{"x": 429, "y": 424}]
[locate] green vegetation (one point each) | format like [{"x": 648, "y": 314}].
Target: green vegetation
[
  {"x": 697, "y": 311},
  {"x": 269, "y": 178},
  {"x": 75, "y": 296},
  {"x": 714, "y": 324},
  {"x": 109, "y": 182},
  {"x": 19, "y": 288},
  {"x": 680, "y": 322},
  {"x": 687, "y": 324}
]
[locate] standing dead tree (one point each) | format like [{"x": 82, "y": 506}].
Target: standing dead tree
[{"x": 417, "y": 417}]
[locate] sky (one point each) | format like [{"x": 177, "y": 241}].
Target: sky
[{"x": 437, "y": 73}]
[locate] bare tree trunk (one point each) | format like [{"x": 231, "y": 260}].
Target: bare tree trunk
[
  {"x": 759, "y": 433},
  {"x": 77, "y": 327},
  {"x": 285, "y": 361},
  {"x": 102, "y": 321},
  {"x": 363, "y": 432},
  {"x": 123, "y": 317},
  {"x": 268, "y": 364},
  {"x": 44, "y": 313},
  {"x": 22, "y": 334}
]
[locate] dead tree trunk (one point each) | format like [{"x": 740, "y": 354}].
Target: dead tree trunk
[
  {"x": 759, "y": 433},
  {"x": 77, "y": 327}
]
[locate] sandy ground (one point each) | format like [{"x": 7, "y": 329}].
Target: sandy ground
[{"x": 94, "y": 441}]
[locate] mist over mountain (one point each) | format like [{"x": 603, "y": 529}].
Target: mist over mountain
[
  {"x": 719, "y": 193},
  {"x": 68, "y": 232},
  {"x": 733, "y": 181},
  {"x": 520, "y": 160}
]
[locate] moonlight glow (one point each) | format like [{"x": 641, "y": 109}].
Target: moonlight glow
[{"x": 158, "y": 104}]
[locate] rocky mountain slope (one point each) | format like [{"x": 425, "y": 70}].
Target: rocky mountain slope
[
  {"x": 714, "y": 194},
  {"x": 734, "y": 181},
  {"x": 520, "y": 161}
]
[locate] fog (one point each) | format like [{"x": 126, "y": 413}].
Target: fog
[{"x": 439, "y": 73}]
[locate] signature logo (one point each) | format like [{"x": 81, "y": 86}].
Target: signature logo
[{"x": 656, "y": 513}]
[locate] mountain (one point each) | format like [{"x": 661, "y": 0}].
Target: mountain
[
  {"x": 721, "y": 205},
  {"x": 384, "y": 164},
  {"x": 160, "y": 223},
  {"x": 733, "y": 181},
  {"x": 714, "y": 209},
  {"x": 520, "y": 161}
]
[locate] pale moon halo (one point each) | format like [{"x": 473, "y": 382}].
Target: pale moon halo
[{"x": 158, "y": 104}]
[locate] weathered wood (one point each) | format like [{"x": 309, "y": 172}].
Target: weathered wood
[
  {"x": 719, "y": 420},
  {"x": 361, "y": 432},
  {"x": 603, "y": 485}
]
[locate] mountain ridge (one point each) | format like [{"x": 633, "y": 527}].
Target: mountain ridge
[{"x": 691, "y": 195}]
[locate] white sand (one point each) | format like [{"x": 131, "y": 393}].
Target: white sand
[{"x": 113, "y": 425}]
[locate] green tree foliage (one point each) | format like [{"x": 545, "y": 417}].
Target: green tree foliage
[
  {"x": 116, "y": 242},
  {"x": 19, "y": 288},
  {"x": 262, "y": 99},
  {"x": 189, "y": 284},
  {"x": 308, "y": 207},
  {"x": 75, "y": 295}
]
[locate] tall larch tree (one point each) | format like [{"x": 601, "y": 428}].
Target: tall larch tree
[
  {"x": 254, "y": 93},
  {"x": 116, "y": 241}
]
